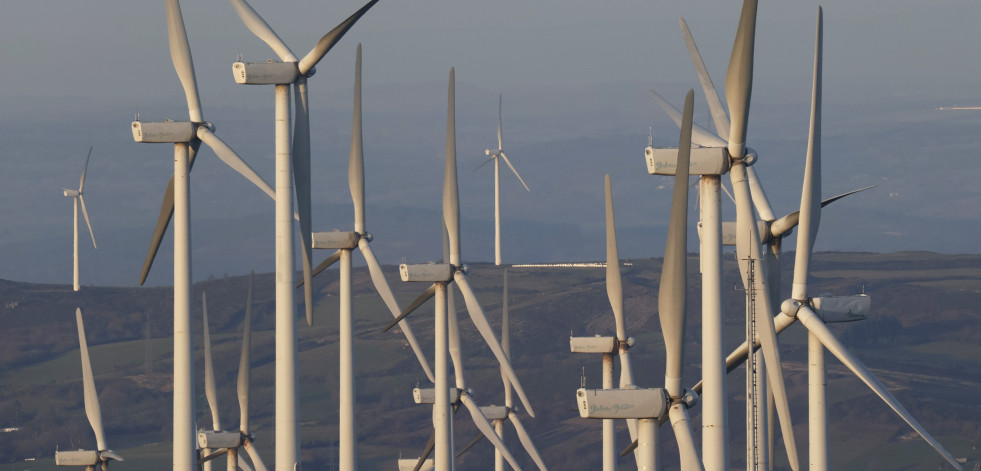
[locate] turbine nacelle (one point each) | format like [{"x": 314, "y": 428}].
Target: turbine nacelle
[
  {"x": 71, "y": 193},
  {"x": 164, "y": 131},
  {"x": 336, "y": 240},
  {"x": 428, "y": 395},
  {"x": 495, "y": 412},
  {"x": 622, "y": 403},
  {"x": 265, "y": 73},
  {"x": 492, "y": 152},
  {"x": 704, "y": 160},
  {"x": 598, "y": 344},
  {"x": 220, "y": 439},
  {"x": 428, "y": 272},
  {"x": 85, "y": 457},
  {"x": 832, "y": 309}
]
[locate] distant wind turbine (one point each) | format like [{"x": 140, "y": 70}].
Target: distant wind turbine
[
  {"x": 496, "y": 155},
  {"x": 77, "y": 198},
  {"x": 102, "y": 455}
]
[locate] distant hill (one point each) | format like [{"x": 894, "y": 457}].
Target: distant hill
[{"x": 922, "y": 340}]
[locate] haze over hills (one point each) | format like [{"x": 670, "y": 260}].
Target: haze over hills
[{"x": 921, "y": 340}]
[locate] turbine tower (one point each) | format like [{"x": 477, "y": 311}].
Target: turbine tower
[
  {"x": 496, "y": 155},
  {"x": 77, "y": 198},
  {"x": 292, "y": 165}
]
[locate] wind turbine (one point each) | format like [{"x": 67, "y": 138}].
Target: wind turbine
[
  {"x": 650, "y": 406},
  {"x": 718, "y": 155},
  {"x": 806, "y": 309},
  {"x": 292, "y": 165},
  {"x": 496, "y": 155},
  {"x": 217, "y": 440},
  {"x": 441, "y": 275},
  {"x": 292, "y": 71},
  {"x": 102, "y": 455},
  {"x": 608, "y": 346},
  {"x": 500, "y": 414},
  {"x": 77, "y": 198},
  {"x": 345, "y": 243},
  {"x": 186, "y": 136}
]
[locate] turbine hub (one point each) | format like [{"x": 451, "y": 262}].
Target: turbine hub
[
  {"x": 790, "y": 307},
  {"x": 367, "y": 236}
]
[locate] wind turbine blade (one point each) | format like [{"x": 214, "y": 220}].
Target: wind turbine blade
[
  {"x": 760, "y": 201},
  {"x": 334, "y": 257},
  {"x": 453, "y": 339},
  {"x": 687, "y": 449},
  {"x": 515, "y": 171},
  {"x": 476, "y": 439},
  {"x": 355, "y": 171},
  {"x": 671, "y": 298},
  {"x": 85, "y": 213},
  {"x": 245, "y": 363},
  {"x": 451, "y": 192},
  {"x": 92, "y": 409},
  {"x": 81, "y": 181},
  {"x": 210, "y": 391},
  {"x": 428, "y": 450},
  {"x": 480, "y": 321},
  {"x": 331, "y": 38},
  {"x": 719, "y": 116},
  {"x": 500, "y": 137},
  {"x": 526, "y": 441},
  {"x": 243, "y": 464},
  {"x": 166, "y": 212},
  {"x": 813, "y": 323},
  {"x": 485, "y": 427},
  {"x": 782, "y": 226},
  {"x": 300, "y": 157},
  {"x": 232, "y": 159},
  {"x": 107, "y": 455},
  {"x": 506, "y": 341},
  {"x": 180, "y": 54},
  {"x": 700, "y": 136},
  {"x": 614, "y": 284},
  {"x": 254, "y": 455},
  {"x": 489, "y": 160},
  {"x": 258, "y": 27},
  {"x": 385, "y": 291},
  {"x": 419, "y": 301},
  {"x": 739, "y": 78},
  {"x": 810, "y": 206}
]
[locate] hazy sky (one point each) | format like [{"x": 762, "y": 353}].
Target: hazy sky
[{"x": 574, "y": 76}]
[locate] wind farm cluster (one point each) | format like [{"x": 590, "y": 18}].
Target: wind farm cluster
[{"x": 705, "y": 155}]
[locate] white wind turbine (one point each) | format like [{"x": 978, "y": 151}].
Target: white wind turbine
[
  {"x": 651, "y": 406},
  {"x": 185, "y": 135},
  {"x": 345, "y": 243},
  {"x": 808, "y": 310},
  {"x": 292, "y": 165},
  {"x": 217, "y": 442},
  {"x": 291, "y": 71},
  {"x": 496, "y": 155},
  {"x": 718, "y": 155},
  {"x": 772, "y": 230},
  {"x": 611, "y": 345},
  {"x": 500, "y": 414},
  {"x": 76, "y": 196},
  {"x": 441, "y": 275},
  {"x": 102, "y": 455}
]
